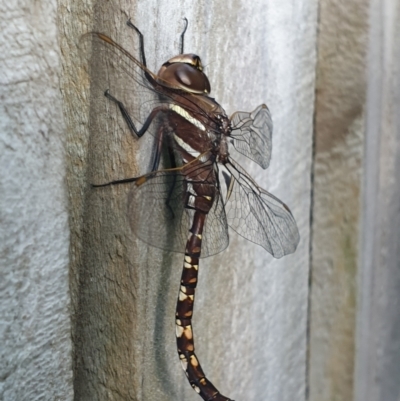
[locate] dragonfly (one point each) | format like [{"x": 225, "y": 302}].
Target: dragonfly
[{"x": 194, "y": 187}]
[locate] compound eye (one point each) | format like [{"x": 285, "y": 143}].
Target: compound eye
[
  {"x": 184, "y": 76},
  {"x": 192, "y": 78}
]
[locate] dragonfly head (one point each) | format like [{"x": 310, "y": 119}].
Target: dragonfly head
[{"x": 184, "y": 71}]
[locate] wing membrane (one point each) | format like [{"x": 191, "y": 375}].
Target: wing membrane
[
  {"x": 257, "y": 215},
  {"x": 157, "y": 215},
  {"x": 111, "y": 67},
  {"x": 252, "y": 134}
]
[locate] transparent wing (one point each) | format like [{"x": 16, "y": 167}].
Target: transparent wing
[
  {"x": 252, "y": 134},
  {"x": 257, "y": 215},
  {"x": 157, "y": 215},
  {"x": 111, "y": 67}
]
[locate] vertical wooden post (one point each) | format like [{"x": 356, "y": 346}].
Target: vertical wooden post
[
  {"x": 35, "y": 341},
  {"x": 253, "y": 346},
  {"x": 378, "y": 330},
  {"x": 336, "y": 211}
]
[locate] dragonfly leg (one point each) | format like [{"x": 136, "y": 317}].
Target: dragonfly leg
[
  {"x": 156, "y": 162},
  {"x": 172, "y": 187},
  {"x": 184, "y": 314},
  {"x": 141, "y": 40},
  {"x": 128, "y": 118},
  {"x": 181, "y": 47},
  {"x": 158, "y": 148}
]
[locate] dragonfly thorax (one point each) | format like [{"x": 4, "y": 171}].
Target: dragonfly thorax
[{"x": 223, "y": 152}]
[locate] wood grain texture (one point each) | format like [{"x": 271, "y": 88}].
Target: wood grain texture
[
  {"x": 35, "y": 342},
  {"x": 251, "y": 338},
  {"x": 339, "y": 138},
  {"x": 378, "y": 330},
  {"x": 251, "y": 311}
]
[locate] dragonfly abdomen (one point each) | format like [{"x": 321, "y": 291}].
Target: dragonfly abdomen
[{"x": 184, "y": 313}]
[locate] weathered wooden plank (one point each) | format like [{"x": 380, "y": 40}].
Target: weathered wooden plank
[
  {"x": 35, "y": 342},
  {"x": 251, "y": 311},
  {"x": 378, "y": 330},
  {"x": 339, "y": 135}
]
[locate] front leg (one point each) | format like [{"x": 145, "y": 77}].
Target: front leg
[{"x": 128, "y": 118}]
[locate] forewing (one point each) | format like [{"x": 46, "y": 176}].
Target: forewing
[
  {"x": 257, "y": 215},
  {"x": 252, "y": 134},
  {"x": 156, "y": 212},
  {"x": 112, "y": 68},
  {"x": 215, "y": 234},
  {"x": 158, "y": 217}
]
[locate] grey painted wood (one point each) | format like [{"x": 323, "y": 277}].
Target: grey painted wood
[
  {"x": 251, "y": 311},
  {"x": 35, "y": 342},
  {"x": 378, "y": 329},
  {"x": 339, "y": 138}
]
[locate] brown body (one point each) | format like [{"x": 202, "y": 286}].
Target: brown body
[
  {"x": 184, "y": 312},
  {"x": 209, "y": 127}
]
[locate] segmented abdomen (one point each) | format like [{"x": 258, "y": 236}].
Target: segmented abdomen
[{"x": 184, "y": 313}]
